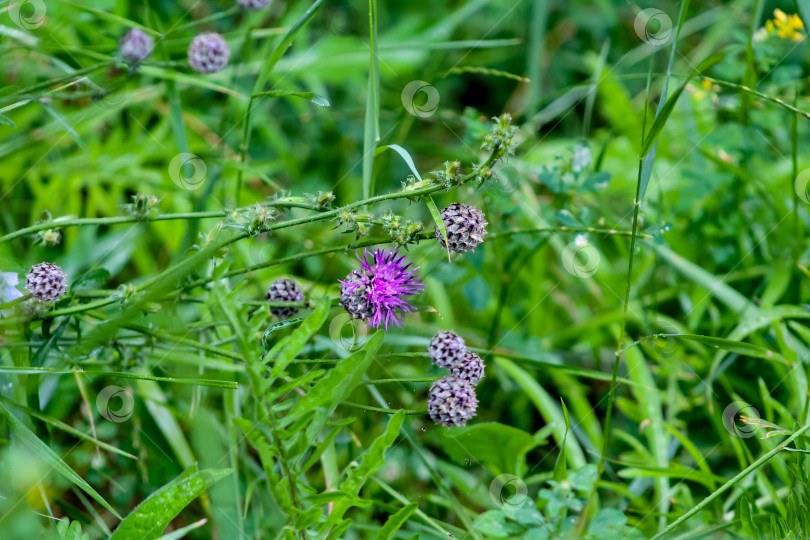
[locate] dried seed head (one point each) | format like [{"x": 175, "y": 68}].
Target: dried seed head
[
  {"x": 464, "y": 225},
  {"x": 284, "y": 290},
  {"x": 136, "y": 46},
  {"x": 253, "y": 5},
  {"x": 451, "y": 402},
  {"x": 470, "y": 369},
  {"x": 208, "y": 53},
  {"x": 446, "y": 349},
  {"x": 354, "y": 294},
  {"x": 46, "y": 282}
]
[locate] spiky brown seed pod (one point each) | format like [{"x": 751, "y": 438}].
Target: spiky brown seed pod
[
  {"x": 136, "y": 46},
  {"x": 464, "y": 225},
  {"x": 46, "y": 282},
  {"x": 469, "y": 369},
  {"x": 253, "y": 5},
  {"x": 446, "y": 349},
  {"x": 284, "y": 290},
  {"x": 208, "y": 53},
  {"x": 354, "y": 295},
  {"x": 451, "y": 402}
]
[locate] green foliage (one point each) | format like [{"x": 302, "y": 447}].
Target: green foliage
[{"x": 640, "y": 299}]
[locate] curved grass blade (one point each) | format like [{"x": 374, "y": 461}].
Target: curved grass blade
[{"x": 44, "y": 452}]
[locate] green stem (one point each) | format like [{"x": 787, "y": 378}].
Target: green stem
[
  {"x": 369, "y": 408},
  {"x": 731, "y": 483},
  {"x": 291, "y": 202}
]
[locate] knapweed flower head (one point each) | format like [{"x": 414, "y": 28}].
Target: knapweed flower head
[
  {"x": 465, "y": 227},
  {"x": 136, "y": 46},
  {"x": 446, "y": 349},
  {"x": 253, "y": 5},
  {"x": 451, "y": 402},
  {"x": 284, "y": 290},
  {"x": 469, "y": 369},
  {"x": 208, "y": 53},
  {"x": 46, "y": 282},
  {"x": 379, "y": 291}
]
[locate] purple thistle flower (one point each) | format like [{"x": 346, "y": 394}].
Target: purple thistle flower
[{"x": 378, "y": 291}]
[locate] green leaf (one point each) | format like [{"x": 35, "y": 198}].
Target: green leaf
[
  {"x": 559, "y": 464},
  {"x": 151, "y": 517},
  {"x": 357, "y": 475},
  {"x": 395, "y": 522},
  {"x": 547, "y": 407},
  {"x": 405, "y": 156},
  {"x": 608, "y": 524},
  {"x": 669, "y": 106},
  {"x": 311, "y": 96},
  {"x": 371, "y": 132},
  {"x": 339, "y": 382},
  {"x": 44, "y": 452},
  {"x": 285, "y": 351},
  {"x": 492, "y": 523},
  {"x": 501, "y": 448},
  {"x": 437, "y": 218}
]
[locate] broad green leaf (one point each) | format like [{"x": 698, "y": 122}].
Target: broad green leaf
[
  {"x": 501, "y": 448},
  {"x": 29, "y": 439},
  {"x": 339, "y": 382},
  {"x": 395, "y": 522},
  {"x": 368, "y": 465},
  {"x": 285, "y": 351},
  {"x": 151, "y": 517}
]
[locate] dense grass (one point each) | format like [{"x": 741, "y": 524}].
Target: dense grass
[{"x": 639, "y": 300}]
